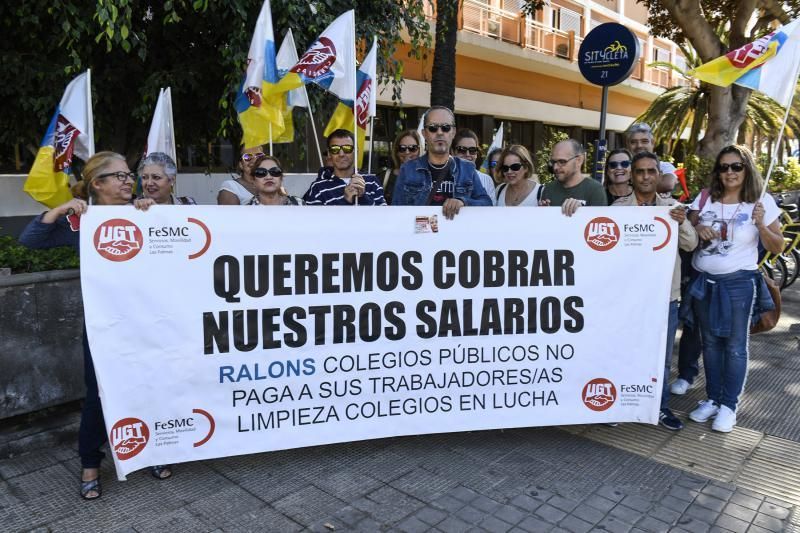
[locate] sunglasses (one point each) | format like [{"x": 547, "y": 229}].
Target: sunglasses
[
  {"x": 513, "y": 166},
  {"x": 403, "y": 148},
  {"x": 121, "y": 176},
  {"x": 492, "y": 164},
  {"x": 262, "y": 172},
  {"x": 724, "y": 167},
  {"x": 618, "y": 164},
  {"x": 433, "y": 128},
  {"x": 346, "y": 148},
  {"x": 247, "y": 157},
  {"x": 472, "y": 150}
]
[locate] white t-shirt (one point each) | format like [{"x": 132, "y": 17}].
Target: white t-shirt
[
  {"x": 532, "y": 200},
  {"x": 233, "y": 186},
  {"x": 737, "y": 247},
  {"x": 488, "y": 185}
]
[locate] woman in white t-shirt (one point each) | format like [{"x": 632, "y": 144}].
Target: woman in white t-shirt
[
  {"x": 731, "y": 219},
  {"x": 514, "y": 169},
  {"x": 241, "y": 190}
]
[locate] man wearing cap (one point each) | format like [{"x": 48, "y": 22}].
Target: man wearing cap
[
  {"x": 645, "y": 177},
  {"x": 340, "y": 184}
]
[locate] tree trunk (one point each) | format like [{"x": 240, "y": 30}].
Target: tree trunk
[
  {"x": 727, "y": 107},
  {"x": 443, "y": 78}
]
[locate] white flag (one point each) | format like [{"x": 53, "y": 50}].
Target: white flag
[
  {"x": 76, "y": 108},
  {"x": 370, "y": 68},
  {"x": 286, "y": 59},
  {"x": 162, "y": 132},
  {"x": 497, "y": 142}
]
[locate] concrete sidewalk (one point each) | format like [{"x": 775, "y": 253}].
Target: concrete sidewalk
[{"x": 577, "y": 479}]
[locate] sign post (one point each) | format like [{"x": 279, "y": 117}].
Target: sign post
[{"x": 607, "y": 56}]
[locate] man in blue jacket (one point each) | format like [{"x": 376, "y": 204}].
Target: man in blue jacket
[{"x": 437, "y": 178}]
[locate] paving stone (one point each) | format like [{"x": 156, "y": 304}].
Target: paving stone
[
  {"x": 740, "y": 512},
  {"x": 716, "y": 491},
  {"x": 464, "y": 494},
  {"x": 612, "y": 493},
  {"x": 451, "y": 524},
  {"x": 664, "y": 514},
  {"x": 614, "y": 525},
  {"x": 626, "y": 514},
  {"x": 565, "y": 504},
  {"x": 526, "y": 503},
  {"x": 449, "y": 504},
  {"x": 779, "y": 503},
  {"x": 757, "y": 529},
  {"x": 550, "y": 513},
  {"x": 495, "y": 525},
  {"x": 768, "y": 522},
  {"x": 732, "y": 524},
  {"x": 533, "y": 524},
  {"x": 575, "y": 524},
  {"x": 684, "y": 493},
  {"x": 589, "y": 514},
  {"x": 600, "y": 503},
  {"x": 675, "y": 504},
  {"x": 470, "y": 514},
  {"x": 652, "y": 525},
  {"x": 772, "y": 509},
  {"x": 693, "y": 525},
  {"x": 349, "y": 515},
  {"x": 430, "y": 516},
  {"x": 368, "y": 525},
  {"x": 413, "y": 525},
  {"x": 540, "y": 493},
  {"x": 510, "y": 514},
  {"x": 701, "y": 513},
  {"x": 691, "y": 482},
  {"x": 746, "y": 501},
  {"x": 308, "y": 505},
  {"x": 638, "y": 503},
  {"x": 710, "y": 502},
  {"x": 486, "y": 504}
]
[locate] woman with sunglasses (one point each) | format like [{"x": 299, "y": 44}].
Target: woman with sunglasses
[
  {"x": 406, "y": 147},
  {"x": 158, "y": 172},
  {"x": 731, "y": 219},
  {"x": 241, "y": 190},
  {"x": 618, "y": 175},
  {"x": 514, "y": 170},
  {"x": 107, "y": 180},
  {"x": 269, "y": 185},
  {"x": 492, "y": 159},
  {"x": 466, "y": 146}
]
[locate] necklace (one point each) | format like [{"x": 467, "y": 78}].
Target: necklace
[
  {"x": 518, "y": 198},
  {"x": 727, "y": 230},
  {"x": 435, "y": 167}
]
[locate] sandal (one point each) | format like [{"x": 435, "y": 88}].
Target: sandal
[
  {"x": 161, "y": 471},
  {"x": 93, "y": 485}
]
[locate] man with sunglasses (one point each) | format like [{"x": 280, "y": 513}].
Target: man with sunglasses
[
  {"x": 645, "y": 177},
  {"x": 466, "y": 146},
  {"x": 437, "y": 178},
  {"x": 571, "y": 189},
  {"x": 340, "y": 184}
]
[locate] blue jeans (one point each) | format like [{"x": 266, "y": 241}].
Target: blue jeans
[
  {"x": 725, "y": 357},
  {"x": 672, "y": 328},
  {"x": 92, "y": 432}
]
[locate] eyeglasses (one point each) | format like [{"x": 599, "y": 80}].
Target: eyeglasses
[
  {"x": 121, "y": 176},
  {"x": 262, "y": 172},
  {"x": 724, "y": 167},
  {"x": 464, "y": 149},
  {"x": 562, "y": 162},
  {"x": 249, "y": 156},
  {"x": 618, "y": 164},
  {"x": 403, "y": 148},
  {"x": 513, "y": 166},
  {"x": 433, "y": 128},
  {"x": 346, "y": 148}
]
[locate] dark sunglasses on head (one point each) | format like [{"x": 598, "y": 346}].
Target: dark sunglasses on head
[
  {"x": 463, "y": 150},
  {"x": 513, "y": 166},
  {"x": 617, "y": 164},
  {"x": 433, "y": 128},
  {"x": 346, "y": 148},
  {"x": 403, "y": 148},
  {"x": 247, "y": 157},
  {"x": 736, "y": 167},
  {"x": 262, "y": 172}
]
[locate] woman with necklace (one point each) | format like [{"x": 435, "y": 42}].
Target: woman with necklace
[
  {"x": 729, "y": 293},
  {"x": 240, "y": 191},
  {"x": 618, "y": 175},
  {"x": 269, "y": 185},
  {"x": 514, "y": 169}
]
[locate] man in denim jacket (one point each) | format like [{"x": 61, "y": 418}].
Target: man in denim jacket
[{"x": 437, "y": 178}]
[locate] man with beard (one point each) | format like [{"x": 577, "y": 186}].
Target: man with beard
[{"x": 571, "y": 188}]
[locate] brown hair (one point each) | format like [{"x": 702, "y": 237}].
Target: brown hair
[
  {"x": 94, "y": 166},
  {"x": 616, "y": 151},
  {"x": 751, "y": 188},
  {"x": 396, "y": 143},
  {"x": 519, "y": 151}
]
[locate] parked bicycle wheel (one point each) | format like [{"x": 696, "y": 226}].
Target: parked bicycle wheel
[
  {"x": 776, "y": 272},
  {"x": 792, "y": 261}
]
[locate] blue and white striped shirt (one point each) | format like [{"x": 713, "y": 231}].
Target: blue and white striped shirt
[{"x": 328, "y": 189}]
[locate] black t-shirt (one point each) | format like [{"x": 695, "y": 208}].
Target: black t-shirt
[{"x": 444, "y": 189}]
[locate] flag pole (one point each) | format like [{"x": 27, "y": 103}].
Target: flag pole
[
  {"x": 270, "y": 138},
  {"x": 89, "y": 110},
  {"x": 369, "y": 161},
  {"x": 774, "y": 158},
  {"x": 355, "y": 114}
]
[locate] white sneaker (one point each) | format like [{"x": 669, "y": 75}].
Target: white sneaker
[
  {"x": 680, "y": 386},
  {"x": 725, "y": 420},
  {"x": 705, "y": 410}
]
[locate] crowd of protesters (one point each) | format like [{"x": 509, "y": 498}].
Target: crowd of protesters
[{"x": 716, "y": 289}]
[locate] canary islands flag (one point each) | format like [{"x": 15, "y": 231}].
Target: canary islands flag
[
  {"x": 70, "y": 132},
  {"x": 260, "y": 109},
  {"x": 286, "y": 59},
  {"x": 342, "y": 117},
  {"x": 768, "y": 65},
  {"x": 330, "y": 62}
]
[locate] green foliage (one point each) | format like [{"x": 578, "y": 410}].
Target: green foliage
[
  {"x": 784, "y": 177},
  {"x": 540, "y": 160},
  {"x": 21, "y": 259},
  {"x": 698, "y": 171}
]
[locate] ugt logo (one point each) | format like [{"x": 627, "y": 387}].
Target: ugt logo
[
  {"x": 317, "y": 61},
  {"x": 118, "y": 239},
  {"x": 601, "y": 234},
  {"x": 128, "y": 438},
  {"x": 599, "y": 394}
]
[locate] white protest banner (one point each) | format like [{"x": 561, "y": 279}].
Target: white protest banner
[{"x": 218, "y": 330}]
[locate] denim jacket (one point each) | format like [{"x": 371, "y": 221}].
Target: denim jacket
[{"x": 413, "y": 185}]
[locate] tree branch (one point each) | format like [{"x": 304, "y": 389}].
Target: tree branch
[
  {"x": 741, "y": 17},
  {"x": 689, "y": 17},
  {"x": 774, "y": 10}
]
